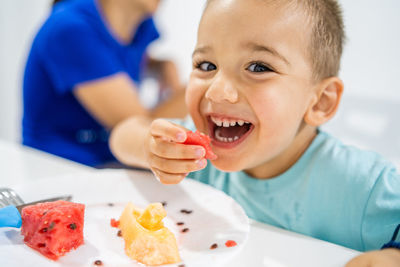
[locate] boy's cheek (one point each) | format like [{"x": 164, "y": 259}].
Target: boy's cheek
[
  {"x": 193, "y": 99},
  {"x": 194, "y": 91}
]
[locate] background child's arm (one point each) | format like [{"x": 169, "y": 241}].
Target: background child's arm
[
  {"x": 127, "y": 140},
  {"x": 389, "y": 257},
  {"x": 156, "y": 145}
]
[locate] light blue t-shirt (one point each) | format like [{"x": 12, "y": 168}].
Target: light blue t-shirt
[{"x": 334, "y": 192}]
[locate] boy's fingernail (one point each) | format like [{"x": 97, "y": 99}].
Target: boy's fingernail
[
  {"x": 201, "y": 163},
  {"x": 180, "y": 137},
  {"x": 200, "y": 152}
]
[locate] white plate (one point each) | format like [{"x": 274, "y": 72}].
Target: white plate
[{"x": 216, "y": 218}]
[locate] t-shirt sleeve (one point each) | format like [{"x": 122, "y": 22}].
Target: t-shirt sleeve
[
  {"x": 147, "y": 31},
  {"x": 74, "y": 53},
  {"x": 382, "y": 213}
]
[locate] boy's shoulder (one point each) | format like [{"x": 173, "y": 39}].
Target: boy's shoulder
[{"x": 328, "y": 155}]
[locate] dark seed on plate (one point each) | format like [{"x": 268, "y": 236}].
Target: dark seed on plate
[
  {"x": 72, "y": 226},
  {"x": 184, "y": 230},
  {"x": 214, "y": 246},
  {"x": 43, "y": 230},
  {"x": 186, "y": 211},
  {"x": 119, "y": 233},
  {"x": 180, "y": 223},
  {"x": 98, "y": 263},
  {"x": 164, "y": 203},
  {"x": 41, "y": 245},
  {"x": 110, "y": 204},
  {"x": 52, "y": 224}
]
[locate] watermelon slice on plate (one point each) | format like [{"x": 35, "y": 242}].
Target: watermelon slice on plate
[
  {"x": 53, "y": 228},
  {"x": 198, "y": 138}
]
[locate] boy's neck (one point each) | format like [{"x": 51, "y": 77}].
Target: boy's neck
[
  {"x": 122, "y": 18},
  {"x": 288, "y": 158}
]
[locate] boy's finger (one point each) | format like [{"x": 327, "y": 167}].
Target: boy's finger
[
  {"x": 171, "y": 150},
  {"x": 169, "y": 178},
  {"x": 168, "y": 130},
  {"x": 176, "y": 165}
]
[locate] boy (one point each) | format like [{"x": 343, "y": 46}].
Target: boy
[{"x": 264, "y": 78}]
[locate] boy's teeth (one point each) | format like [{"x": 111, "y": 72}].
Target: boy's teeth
[
  {"x": 228, "y": 123},
  {"x": 217, "y": 122},
  {"x": 224, "y": 139}
]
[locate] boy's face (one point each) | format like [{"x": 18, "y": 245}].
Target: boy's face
[{"x": 250, "y": 70}]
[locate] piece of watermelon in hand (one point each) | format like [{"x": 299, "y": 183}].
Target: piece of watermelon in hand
[
  {"x": 198, "y": 138},
  {"x": 53, "y": 228}
]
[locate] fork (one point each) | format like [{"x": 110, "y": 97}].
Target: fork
[
  {"x": 11, "y": 205},
  {"x": 9, "y": 197}
]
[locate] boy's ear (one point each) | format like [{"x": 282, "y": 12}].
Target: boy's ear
[{"x": 325, "y": 101}]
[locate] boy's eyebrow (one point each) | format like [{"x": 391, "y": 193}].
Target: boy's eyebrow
[
  {"x": 257, "y": 47},
  {"x": 253, "y": 46},
  {"x": 201, "y": 49}
]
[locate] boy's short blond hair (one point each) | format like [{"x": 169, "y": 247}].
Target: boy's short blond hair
[
  {"x": 327, "y": 33},
  {"x": 327, "y": 36}
]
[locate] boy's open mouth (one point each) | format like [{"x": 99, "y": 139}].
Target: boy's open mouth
[{"x": 228, "y": 132}]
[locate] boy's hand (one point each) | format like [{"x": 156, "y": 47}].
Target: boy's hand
[
  {"x": 167, "y": 156},
  {"x": 389, "y": 257}
]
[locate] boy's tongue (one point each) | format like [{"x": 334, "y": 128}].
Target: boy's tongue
[{"x": 232, "y": 131}]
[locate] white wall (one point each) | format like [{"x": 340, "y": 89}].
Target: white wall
[
  {"x": 369, "y": 113},
  {"x": 18, "y": 21},
  {"x": 368, "y": 116}
]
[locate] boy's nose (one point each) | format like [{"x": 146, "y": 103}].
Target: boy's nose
[{"x": 222, "y": 90}]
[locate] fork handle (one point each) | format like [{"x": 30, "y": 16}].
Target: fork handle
[{"x": 10, "y": 217}]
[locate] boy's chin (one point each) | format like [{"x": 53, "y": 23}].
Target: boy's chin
[{"x": 226, "y": 166}]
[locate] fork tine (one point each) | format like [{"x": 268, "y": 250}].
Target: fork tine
[
  {"x": 3, "y": 201},
  {"x": 17, "y": 198},
  {"x": 4, "y": 198},
  {"x": 9, "y": 197}
]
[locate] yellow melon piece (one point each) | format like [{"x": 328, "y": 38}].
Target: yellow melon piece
[{"x": 147, "y": 240}]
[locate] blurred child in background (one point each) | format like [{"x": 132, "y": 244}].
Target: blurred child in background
[{"x": 83, "y": 73}]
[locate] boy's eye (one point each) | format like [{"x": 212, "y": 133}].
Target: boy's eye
[
  {"x": 258, "y": 67},
  {"x": 206, "y": 66}
]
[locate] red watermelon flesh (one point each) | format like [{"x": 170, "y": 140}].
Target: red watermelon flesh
[
  {"x": 198, "y": 138},
  {"x": 53, "y": 228}
]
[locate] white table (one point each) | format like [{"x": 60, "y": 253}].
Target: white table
[{"x": 267, "y": 246}]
